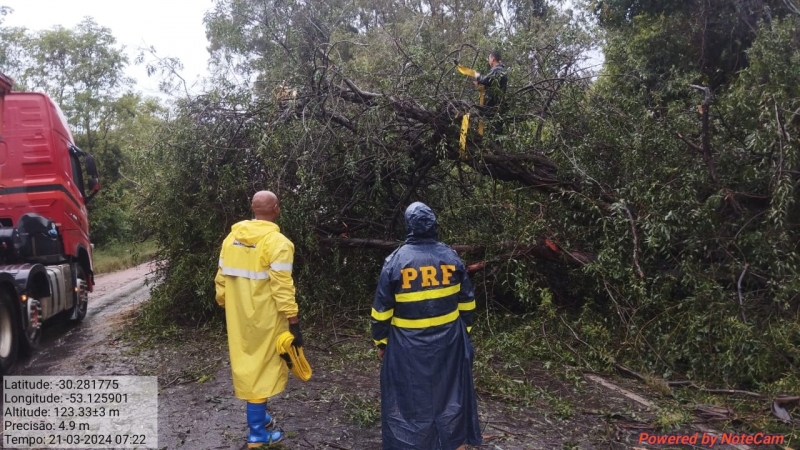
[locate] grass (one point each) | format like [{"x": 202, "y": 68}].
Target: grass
[
  {"x": 364, "y": 412},
  {"x": 670, "y": 419},
  {"x": 114, "y": 257}
]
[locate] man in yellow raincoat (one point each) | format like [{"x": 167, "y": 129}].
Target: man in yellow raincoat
[{"x": 254, "y": 285}]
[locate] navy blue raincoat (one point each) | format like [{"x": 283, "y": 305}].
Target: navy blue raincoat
[{"x": 421, "y": 315}]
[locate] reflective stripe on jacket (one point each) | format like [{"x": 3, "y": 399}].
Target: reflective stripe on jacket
[{"x": 422, "y": 287}]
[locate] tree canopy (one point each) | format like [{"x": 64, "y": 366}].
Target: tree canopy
[{"x": 82, "y": 70}]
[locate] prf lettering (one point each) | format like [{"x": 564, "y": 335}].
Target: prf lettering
[{"x": 430, "y": 276}]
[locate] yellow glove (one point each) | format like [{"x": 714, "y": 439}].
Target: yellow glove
[{"x": 296, "y": 358}]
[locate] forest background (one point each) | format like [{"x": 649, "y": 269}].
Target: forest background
[{"x": 640, "y": 215}]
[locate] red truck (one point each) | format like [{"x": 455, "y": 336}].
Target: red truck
[{"x": 45, "y": 253}]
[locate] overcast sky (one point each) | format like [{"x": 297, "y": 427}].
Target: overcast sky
[{"x": 173, "y": 27}]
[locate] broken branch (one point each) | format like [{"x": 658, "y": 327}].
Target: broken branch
[
  {"x": 635, "y": 243},
  {"x": 706, "y": 149},
  {"x": 544, "y": 249},
  {"x": 739, "y": 289}
]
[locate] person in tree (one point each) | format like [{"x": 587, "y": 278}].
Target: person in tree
[
  {"x": 495, "y": 84},
  {"x": 421, "y": 318},
  {"x": 254, "y": 284}
]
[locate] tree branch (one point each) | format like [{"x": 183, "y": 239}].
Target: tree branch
[
  {"x": 706, "y": 149},
  {"x": 691, "y": 384},
  {"x": 343, "y": 121},
  {"x": 364, "y": 96},
  {"x": 635, "y": 243},
  {"x": 739, "y": 290},
  {"x": 529, "y": 169},
  {"x": 544, "y": 249},
  {"x": 689, "y": 143},
  {"x": 792, "y": 7}
]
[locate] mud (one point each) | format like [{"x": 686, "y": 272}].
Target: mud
[
  {"x": 337, "y": 409},
  {"x": 65, "y": 343}
]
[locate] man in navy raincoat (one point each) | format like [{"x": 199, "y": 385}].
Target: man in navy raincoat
[{"x": 421, "y": 318}]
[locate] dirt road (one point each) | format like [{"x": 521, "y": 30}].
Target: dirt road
[
  {"x": 339, "y": 407},
  {"x": 65, "y": 343}
]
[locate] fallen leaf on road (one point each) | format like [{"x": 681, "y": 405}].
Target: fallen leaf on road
[{"x": 781, "y": 413}]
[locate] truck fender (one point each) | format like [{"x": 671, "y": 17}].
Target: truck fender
[
  {"x": 9, "y": 284},
  {"x": 84, "y": 260}
]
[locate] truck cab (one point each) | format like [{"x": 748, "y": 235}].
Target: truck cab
[{"x": 45, "y": 252}]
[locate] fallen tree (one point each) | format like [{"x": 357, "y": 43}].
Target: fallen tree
[
  {"x": 653, "y": 220},
  {"x": 544, "y": 249}
]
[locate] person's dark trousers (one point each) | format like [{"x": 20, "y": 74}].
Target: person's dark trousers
[{"x": 493, "y": 118}]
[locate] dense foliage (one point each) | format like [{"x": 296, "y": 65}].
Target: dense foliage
[
  {"x": 664, "y": 187},
  {"x": 691, "y": 132}
]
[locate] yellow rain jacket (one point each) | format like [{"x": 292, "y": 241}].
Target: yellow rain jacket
[{"x": 254, "y": 285}]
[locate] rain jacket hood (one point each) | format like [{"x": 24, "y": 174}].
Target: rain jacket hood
[
  {"x": 420, "y": 223},
  {"x": 254, "y": 284},
  {"x": 249, "y": 232}
]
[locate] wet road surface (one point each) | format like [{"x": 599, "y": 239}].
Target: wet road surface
[{"x": 64, "y": 340}]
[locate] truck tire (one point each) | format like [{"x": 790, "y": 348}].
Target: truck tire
[
  {"x": 30, "y": 337},
  {"x": 80, "y": 307},
  {"x": 9, "y": 333}
]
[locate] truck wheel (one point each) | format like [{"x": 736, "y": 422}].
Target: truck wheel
[
  {"x": 33, "y": 334},
  {"x": 9, "y": 334},
  {"x": 79, "y": 310}
]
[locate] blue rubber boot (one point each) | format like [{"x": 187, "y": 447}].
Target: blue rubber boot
[{"x": 259, "y": 436}]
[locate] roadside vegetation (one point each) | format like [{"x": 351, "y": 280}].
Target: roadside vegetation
[
  {"x": 114, "y": 257},
  {"x": 83, "y": 70}
]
